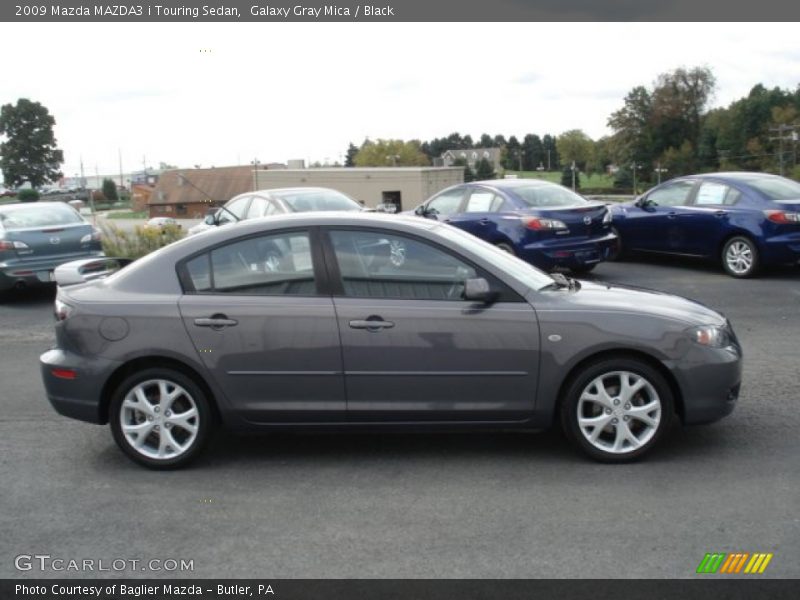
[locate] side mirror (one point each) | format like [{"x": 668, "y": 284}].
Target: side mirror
[
  {"x": 420, "y": 210},
  {"x": 642, "y": 202},
  {"x": 210, "y": 220},
  {"x": 478, "y": 290}
]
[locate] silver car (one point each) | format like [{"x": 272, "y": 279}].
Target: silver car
[
  {"x": 354, "y": 321},
  {"x": 266, "y": 203}
]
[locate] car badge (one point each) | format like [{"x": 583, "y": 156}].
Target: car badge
[
  {"x": 587, "y": 220},
  {"x": 55, "y": 240}
]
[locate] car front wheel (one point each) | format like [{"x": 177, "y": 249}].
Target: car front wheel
[
  {"x": 160, "y": 418},
  {"x": 506, "y": 248},
  {"x": 740, "y": 257},
  {"x": 615, "y": 410}
]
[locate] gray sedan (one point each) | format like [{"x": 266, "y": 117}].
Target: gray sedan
[{"x": 356, "y": 321}]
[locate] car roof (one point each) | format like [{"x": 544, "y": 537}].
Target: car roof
[
  {"x": 16, "y": 205},
  {"x": 514, "y": 183},
  {"x": 743, "y": 176}
]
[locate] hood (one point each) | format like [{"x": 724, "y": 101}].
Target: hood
[{"x": 617, "y": 298}]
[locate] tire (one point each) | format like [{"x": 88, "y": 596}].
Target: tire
[
  {"x": 157, "y": 450},
  {"x": 624, "y": 428},
  {"x": 580, "y": 269},
  {"x": 617, "y": 252},
  {"x": 506, "y": 248},
  {"x": 740, "y": 257}
]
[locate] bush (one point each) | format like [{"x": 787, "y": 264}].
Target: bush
[
  {"x": 139, "y": 242},
  {"x": 27, "y": 195}
]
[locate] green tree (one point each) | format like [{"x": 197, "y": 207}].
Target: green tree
[
  {"x": 512, "y": 156},
  {"x": 566, "y": 177},
  {"x": 486, "y": 141},
  {"x": 484, "y": 170},
  {"x": 532, "y": 152},
  {"x": 550, "y": 158},
  {"x": 350, "y": 157},
  {"x": 632, "y": 138},
  {"x": 469, "y": 174},
  {"x": 397, "y": 153},
  {"x": 575, "y": 145},
  {"x": 29, "y": 152},
  {"x": 110, "y": 190}
]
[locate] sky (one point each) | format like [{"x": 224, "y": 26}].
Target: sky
[{"x": 216, "y": 94}]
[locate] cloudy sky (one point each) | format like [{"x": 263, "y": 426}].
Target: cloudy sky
[{"x": 222, "y": 94}]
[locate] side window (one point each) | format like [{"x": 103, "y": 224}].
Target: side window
[
  {"x": 447, "y": 203},
  {"x": 671, "y": 194},
  {"x": 238, "y": 208},
  {"x": 257, "y": 208},
  {"x": 483, "y": 201},
  {"x": 387, "y": 265},
  {"x": 272, "y": 208},
  {"x": 271, "y": 265}
]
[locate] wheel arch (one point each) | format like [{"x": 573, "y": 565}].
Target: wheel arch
[
  {"x": 640, "y": 355},
  {"x": 146, "y": 362}
]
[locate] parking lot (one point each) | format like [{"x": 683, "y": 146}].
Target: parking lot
[{"x": 422, "y": 506}]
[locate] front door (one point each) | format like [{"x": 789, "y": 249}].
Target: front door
[
  {"x": 658, "y": 223},
  {"x": 263, "y": 331},
  {"x": 413, "y": 349}
]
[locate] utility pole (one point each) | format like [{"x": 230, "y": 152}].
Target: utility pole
[
  {"x": 786, "y": 133},
  {"x": 573, "y": 175},
  {"x": 659, "y": 171},
  {"x": 119, "y": 153},
  {"x": 634, "y": 166}
]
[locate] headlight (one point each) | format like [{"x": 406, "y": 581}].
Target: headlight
[{"x": 711, "y": 336}]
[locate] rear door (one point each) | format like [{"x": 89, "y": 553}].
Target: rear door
[
  {"x": 707, "y": 219},
  {"x": 261, "y": 325},
  {"x": 412, "y": 349}
]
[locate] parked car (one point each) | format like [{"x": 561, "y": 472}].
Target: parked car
[
  {"x": 37, "y": 237},
  {"x": 742, "y": 220},
  {"x": 161, "y": 223},
  {"x": 305, "y": 320},
  {"x": 543, "y": 223},
  {"x": 266, "y": 203}
]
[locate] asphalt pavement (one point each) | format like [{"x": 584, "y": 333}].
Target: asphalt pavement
[{"x": 471, "y": 505}]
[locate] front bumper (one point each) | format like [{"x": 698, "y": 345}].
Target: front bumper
[
  {"x": 79, "y": 398},
  {"x": 552, "y": 253}
]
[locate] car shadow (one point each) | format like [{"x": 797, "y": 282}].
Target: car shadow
[
  {"x": 33, "y": 296},
  {"x": 687, "y": 263}
]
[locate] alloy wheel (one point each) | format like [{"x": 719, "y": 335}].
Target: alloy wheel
[{"x": 739, "y": 257}]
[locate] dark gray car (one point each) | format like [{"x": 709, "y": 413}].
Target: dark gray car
[{"x": 373, "y": 321}]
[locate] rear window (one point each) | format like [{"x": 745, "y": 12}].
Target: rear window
[
  {"x": 43, "y": 215},
  {"x": 775, "y": 188},
  {"x": 316, "y": 200},
  {"x": 548, "y": 196}
]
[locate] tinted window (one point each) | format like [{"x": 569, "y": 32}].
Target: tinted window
[
  {"x": 716, "y": 194},
  {"x": 387, "y": 265},
  {"x": 775, "y": 188},
  {"x": 671, "y": 194},
  {"x": 265, "y": 265},
  {"x": 447, "y": 203},
  {"x": 316, "y": 200},
  {"x": 544, "y": 196},
  {"x": 483, "y": 201},
  {"x": 44, "y": 215}
]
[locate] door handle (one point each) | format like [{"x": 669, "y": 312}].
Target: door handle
[
  {"x": 672, "y": 215},
  {"x": 371, "y": 324},
  {"x": 721, "y": 213},
  {"x": 216, "y": 322},
  {"x": 484, "y": 221}
]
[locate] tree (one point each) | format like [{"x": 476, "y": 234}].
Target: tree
[
  {"x": 575, "y": 145},
  {"x": 512, "y": 157},
  {"x": 632, "y": 138},
  {"x": 550, "y": 158},
  {"x": 350, "y": 157},
  {"x": 532, "y": 152},
  {"x": 391, "y": 153},
  {"x": 110, "y": 190},
  {"x": 29, "y": 152},
  {"x": 486, "y": 141},
  {"x": 566, "y": 177},
  {"x": 469, "y": 174},
  {"x": 484, "y": 170}
]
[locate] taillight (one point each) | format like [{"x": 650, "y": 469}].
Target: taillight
[
  {"x": 782, "y": 217},
  {"x": 540, "y": 224},
  {"x": 62, "y": 310},
  {"x": 95, "y": 236},
  {"x": 15, "y": 245}
]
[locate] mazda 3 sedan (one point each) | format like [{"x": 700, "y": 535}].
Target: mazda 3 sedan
[
  {"x": 37, "y": 237},
  {"x": 743, "y": 221},
  {"x": 370, "y": 321},
  {"x": 543, "y": 223}
]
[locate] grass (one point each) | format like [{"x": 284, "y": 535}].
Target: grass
[
  {"x": 593, "y": 181},
  {"x": 138, "y": 243},
  {"x": 142, "y": 214}
]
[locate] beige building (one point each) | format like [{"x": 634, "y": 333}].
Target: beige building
[{"x": 405, "y": 187}]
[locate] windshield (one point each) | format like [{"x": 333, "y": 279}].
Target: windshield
[
  {"x": 516, "y": 267},
  {"x": 43, "y": 215},
  {"x": 775, "y": 188},
  {"x": 547, "y": 196},
  {"x": 315, "y": 200}
]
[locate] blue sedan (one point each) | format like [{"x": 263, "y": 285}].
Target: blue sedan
[
  {"x": 543, "y": 223},
  {"x": 744, "y": 220}
]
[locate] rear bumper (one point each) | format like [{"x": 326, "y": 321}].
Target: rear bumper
[
  {"x": 552, "y": 253},
  {"x": 79, "y": 398},
  {"x": 29, "y": 273},
  {"x": 782, "y": 249}
]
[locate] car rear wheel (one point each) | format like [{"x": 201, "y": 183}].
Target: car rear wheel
[
  {"x": 615, "y": 410},
  {"x": 617, "y": 251},
  {"x": 160, "y": 418},
  {"x": 740, "y": 257},
  {"x": 506, "y": 248}
]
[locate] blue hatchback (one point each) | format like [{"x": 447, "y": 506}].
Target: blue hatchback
[
  {"x": 543, "y": 223},
  {"x": 743, "y": 220}
]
